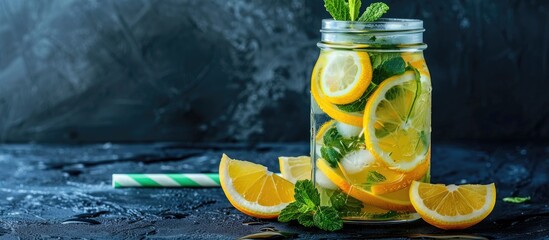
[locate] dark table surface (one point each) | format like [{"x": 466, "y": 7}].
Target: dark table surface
[{"x": 45, "y": 186}]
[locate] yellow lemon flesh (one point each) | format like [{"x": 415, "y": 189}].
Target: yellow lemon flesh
[
  {"x": 254, "y": 190},
  {"x": 295, "y": 168},
  {"x": 453, "y": 206},
  {"x": 397, "y": 121},
  {"x": 345, "y": 76}
]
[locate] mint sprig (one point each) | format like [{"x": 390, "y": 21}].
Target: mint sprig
[
  {"x": 348, "y": 10},
  {"x": 307, "y": 210}
]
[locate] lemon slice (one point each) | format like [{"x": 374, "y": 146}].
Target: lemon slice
[
  {"x": 346, "y": 75},
  {"x": 398, "y": 200},
  {"x": 397, "y": 180},
  {"x": 322, "y": 130},
  {"x": 254, "y": 190},
  {"x": 361, "y": 169},
  {"x": 352, "y": 118},
  {"x": 452, "y": 206},
  {"x": 397, "y": 121},
  {"x": 417, "y": 60},
  {"x": 295, "y": 168},
  {"x": 299, "y": 168}
]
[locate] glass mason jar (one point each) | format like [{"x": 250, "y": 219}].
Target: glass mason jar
[{"x": 371, "y": 118}]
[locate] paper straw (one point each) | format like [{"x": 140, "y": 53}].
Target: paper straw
[
  {"x": 166, "y": 180},
  {"x": 159, "y": 180}
]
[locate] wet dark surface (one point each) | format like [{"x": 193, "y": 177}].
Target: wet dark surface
[{"x": 65, "y": 191}]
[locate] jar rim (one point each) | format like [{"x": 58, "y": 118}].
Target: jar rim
[{"x": 381, "y": 25}]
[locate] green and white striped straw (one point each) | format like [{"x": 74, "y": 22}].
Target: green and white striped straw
[{"x": 166, "y": 180}]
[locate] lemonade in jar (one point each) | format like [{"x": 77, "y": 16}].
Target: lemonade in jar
[
  {"x": 370, "y": 137},
  {"x": 371, "y": 117}
]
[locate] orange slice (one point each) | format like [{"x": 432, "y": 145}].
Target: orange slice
[
  {"x": 254, "y": 190},
  {"x": 453, "y": 206}
]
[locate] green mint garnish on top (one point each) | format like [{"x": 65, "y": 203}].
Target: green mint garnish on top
[
  {"x": 349, "y": 10},
  {"x": 374, "y": 12}
]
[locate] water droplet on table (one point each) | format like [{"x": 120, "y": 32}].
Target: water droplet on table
[
  {"x": 251, "y": 223},
  {"x": 90, "y": 215},
  {"x": 80, "y": 221},
  {"x": 268, "y": 229},
  {"x": 265, "y": 235}
]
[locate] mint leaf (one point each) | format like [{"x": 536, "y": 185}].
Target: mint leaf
[
  {"x": 374, "y": 12},
  {"x": 290, "y": 212},
  {"x": 330, "y": 155},
  {"x": 327, "y": 218},
  {"x": 338, "y": 200},
  {"x": 306, "y": 220},
  {"x": 332, "y": 137},
  {"x": 378, "y": 58},
  {"x": 335, "y": 146},
  {"x": 354, "y": 9},
  {"x": 338, "y": 9},
  {"x": 375, "y": 177},
  {"x": 344, "y": 203},
  {"x": 388, "y": 68},
  {"x": 359, "y": 104},
  {"x": 516, "y": 199},
  {"x": 306, "y": 193},
  {"x": 356, "y": 143},
  {"x": 307, "y": 210}
]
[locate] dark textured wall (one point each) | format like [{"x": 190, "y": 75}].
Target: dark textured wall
[{"x": 143, "y": 70}]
